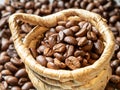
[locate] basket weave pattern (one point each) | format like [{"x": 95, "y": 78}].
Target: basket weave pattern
[{"x": 93, "y": 77}]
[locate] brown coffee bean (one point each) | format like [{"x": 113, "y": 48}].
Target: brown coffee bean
[
  {"x": 94, "y": 56},
  {"x": 99, "y": 47},
  {"x": 72, "y": 62},
  {"x": 41, "y": 60},
  {"x": 49, "y": 59},
  {"x": 60, "y": 4},
  {"x": 83, "y": 4},
  {"x": 59, "y": 28},
  {"x": 91, "y": 35},
  {"x": 81, "y": 23},
  {"x": 113, "y": 19},
  {"x": 5, "y": 85},
  {"x": 71, "y": 23},
  {"x": 79, "y": 53},
  {"x": 10, "y": 9},
  {"x": 52, "y": 40},
  {"x": 10, "y": 67},
  {"x": 59, "y": 56},
  {"x": 59, "y": 63},
  {"x": 88, "y": 46},
  {"x": 1, "y": 68},
  {"x": 41, "y": 48},
  {"x": 87, "y": 56},
  {"x": 81, "y": 32},
  {"x": 21, "y": 73},
  {"x": 70, "y": 50},
  {"x": 12, "y": 80},
  {"x": 109, "y": 87},
  {"x": 15, "y": 88},
  {"x": 60, "y": 37},
  {"x": 4, "y": 59},
  {"x": 37, "y": 5},
  {"x": 70, "y": 40},
  {"x": 29, "y": 5},
  {"x": 115, "y": 63},
  {"x": 51, "y": 65},
  {"x": 59, "y": 48},
  {"x": 48, "y": 52},
  {"x": 62, "y": 23},
  {"x": 68, "y": 32},
  {"x": 118, "y": 55},
  {"x": 27, "y": 86},
  {"x": 22, "y": 81},
  {"x": 117, "y": 71},
  {"x": 115, "y": 79},
  {"x": 5, "y": 72},
  {"x": 82, "y": 41},
  {"x": 90, "y": 6},
  {"x": 91, "y": 61},
  {"x": 17, "y": 62},
  {"x": 75, "y": 28},
  {"x": 84, "y": 63}
]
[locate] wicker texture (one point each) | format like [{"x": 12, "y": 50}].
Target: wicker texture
[{"x": 93, "y": 77}]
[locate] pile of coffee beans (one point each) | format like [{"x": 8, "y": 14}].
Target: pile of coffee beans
[
  {"x": 107, "y": 8},
  {"x": 70, "y": 45}
]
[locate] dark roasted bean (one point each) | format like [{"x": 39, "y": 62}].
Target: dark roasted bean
[{"x": 70, "y": 40}]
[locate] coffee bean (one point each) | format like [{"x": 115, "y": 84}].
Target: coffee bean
[
  {"x": 48, "y": 52},
  {"x": 15, "y": 88},
  {"x": 91, "y": 35},
  {"x": 59, "y": 48},
  {"x": 41, "y": 49},
  {"x": 41, "y": 59},
  {"x": 60, "y": 4},
  {"x": 70, "y": 50},
  {"x": 27, "y": 86},
  {"x": 51, "y": 65},
  {"x": 72, "y": 62},
  {"x": 99, "y": 47},
  {"x": 115, "y": 79},
  {"x": 81, "y": 33},
  {"x": 5, "y": 84},
  {"x": 84, "y": 63},
  {"x": 68, "y": 32},
  {"x": 10, "y": 67},
  {"x": 17, "y": 62},
  {"x": 90, "y": 6},
  {"x": 29, "y": 5},
  {"x": 75, "y": 28},
  {"x": 118, "y": 55},
  {"x": 52, "y": 40},
  {"x": 115, "y": 63},
  {"x": 37, "y": 5},
  {"x": 79, "y": 53},
  {"x": 10, "y": 9},
  {"x": 12, "y": 80},
  {"x": 4, "y": 59},
  {"x": 117, "y": 71},
  {"x": 61, "y": 36},
  {"x": 94, "y": 56},
  {"x": 82, "y": 41},
  {"x": 59, "y": 63},
  {"x": 21, "y": 73},
  {"x": 59, "y": 28},
  {"x": 5, "y": 72},
  {"x": 49, "y": 59},
  {"x": 22, "y": 81},
  {"x": 59, "y": 56},
  {"x": 70, "y": 23},
  {"x": 113, "y": 19},
  {"x": 1, "y": 68},
  {"x": 17, "y": 5},
  {"x": 26, "y": 28},
  {"x": 3, "y": 21},
  {"x": 88, "y": 46},
  {"x": 70, "y": 40},
  {"x": 62, "y": 23}
]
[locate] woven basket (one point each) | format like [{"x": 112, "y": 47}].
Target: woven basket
[{"x": 93, "y": 77}]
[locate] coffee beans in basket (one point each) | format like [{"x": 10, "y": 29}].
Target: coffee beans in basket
[{"x": 69, "y": 45}]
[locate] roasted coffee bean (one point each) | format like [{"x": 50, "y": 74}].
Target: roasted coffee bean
[
  {"x": 70, "y": 40},
  {"x": 72, "y": 62},
  {"x": 87, "y": 56},
  {"x": 10, "y": 67},
  {"x": 12, "y": 80},
  {"x": 5, "y": 72},
  {"x": 70, "y": 23},
  {"x": 99, "y": 46},
  {"x": 117, "y": 71},
  {"x": 59, "y": 56},
  {"x": 10, "y": 9},
  {"x": 115, "y": 63},
  {"x": 84, "y": 63},
  {"x": 52, "y": 40},
  {"x": 29, "y": 5},
  {"x": 81, "y": 23},
  {"x": 62, "y": 23},
  {"x": 94, "y": 56},
  {"x": 115, "y": 79},
  {"x": 60, "y": 4},
  {"x": 49, "y": 59},
  {"x": 51, "y": 65},
  {"x": 90, "y": 6},
  {"x": 5, "y": 85},
  {"x": 91, "y": 61},
  {"x": 41, "y": 49},
  {"x": 68, "y": 32},
  {"x": 59, "y": 47},
  {"x": 75, "y": 28},
  {"x": 48, "y": 52},
  {"x": 88, "y": 46},
  {"x": 4, "y": 59},
  {"x": 17, "y": 5},
  {"x": 91, "y": 35},
  {"x": 27, "y": 86},
  {"x": 26, "y": 28},
  {"x": 60, "y": 37},
  {"x": 118, "y": 55},
  {"x": 70, "y": 50},
  {"x": 59, "y": 28},
  {"x": 79, "y": 53},
  {"x": 1, "y": 68},
  {"x": 41, "y": 59},
  {"x": 17, "y": 62},
  {"x": 22, "y": 81},
  {"x": 113, "y": 19},
  {"x": 21, "y": 73},
  {"x": 81, "y": 32},
  {"x": 82, "y": 41},
  {"x": 59, "y": 63},
  {"x": 3, "y": 21},
  {"x": 15, "y": 88}
]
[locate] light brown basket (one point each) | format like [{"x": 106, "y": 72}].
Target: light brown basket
[{"x": 93, "y": 77}]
